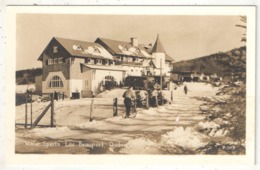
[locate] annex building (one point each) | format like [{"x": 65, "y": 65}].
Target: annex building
[{"x": 73, "y": 66}]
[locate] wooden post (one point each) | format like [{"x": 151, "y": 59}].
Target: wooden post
[
  {"x": 91, "y": 110},
  {"x": 171, "y": 95},
  {"x": 134, "y": 105},
  {"x": 31, "y": 109},
  {"x": 52, "y": 110},
  {"x": 25, "y": 111},
  {"x": 147, "y": 101},
  {"x": 115, "y": 107},
  {"x": 156, "y": 100},
  {"x": 160, "y": 75}
]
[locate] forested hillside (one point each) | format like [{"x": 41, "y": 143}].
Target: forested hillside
[
  {"x": 27, "y": 76},
  {"x": 218, "y": 63}
]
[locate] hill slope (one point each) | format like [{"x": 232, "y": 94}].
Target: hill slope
[
  {"x": 27, "y": 76},
  {"x": 219, "y": 63}
]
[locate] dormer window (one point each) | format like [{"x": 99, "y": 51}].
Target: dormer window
[
  {"x": 137, "y": 49},
  {"x": 77, "y": 47},
  {"x": 96, "y": 50},
  {"x": 125, "y": 48},
  {"x": 55, "y": 49}
]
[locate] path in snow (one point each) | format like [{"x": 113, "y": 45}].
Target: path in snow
[{"x": 148, "y": 133}]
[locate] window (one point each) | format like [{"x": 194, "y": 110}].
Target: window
[
  {"x": 55, "y": 61},
  {"x": 50, "y": 61},
  {"x": 55, "y": 49},
  {"x": 72, "y": 60},
  {"x": 109, "y": 78},
  {"x": 55, "y": 82},
  {"x": 96, "y": 50},
  {"x": 125, "y": 48},
  {"x": 98, "y": 61},
  {"x": 60, "y": 60},
  {"x": 87, "y": 60}
]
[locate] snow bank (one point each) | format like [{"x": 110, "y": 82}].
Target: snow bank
[
  {"x": 24, "y": 88},
  {"x": 89, "y": 124},
  {"x": 187, "y": 138},
  {"x": 162, "y": 109},
  {"x": 47, "y": 131},
  {"x": 207, "y": 125},
  {"x": 212, "y": 128},
  {"x": 140, "y": 146},
  {"x": 150, "y": 111}
]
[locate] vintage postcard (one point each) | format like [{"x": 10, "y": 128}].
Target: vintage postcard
[{"x": 154, "y": 84}]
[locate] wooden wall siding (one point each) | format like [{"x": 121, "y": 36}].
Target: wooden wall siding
[
  {"x": 75, "y": 70},
  {"x": 48, "y": 54}
]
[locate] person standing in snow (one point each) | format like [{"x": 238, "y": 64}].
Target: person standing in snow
[
  {"x": 185, "y": 89},
  {"x": 154, "y": 99},
  {"x": 55, "y": 96},
  {"x": 129, "y": 95}
]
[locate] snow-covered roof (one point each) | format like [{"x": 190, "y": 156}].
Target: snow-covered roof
[
  {"x": 101, "y": 67},
  {"x": 85, "y": 49},
  {"x": 147, "y": 63},
  {"x": 124, "y": 48}
]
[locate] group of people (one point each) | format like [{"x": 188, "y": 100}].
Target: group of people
[
  {"x": 156, "y": 98},
  {"x": 139, "y": 99},
  {"x": 57, "y": 96}
]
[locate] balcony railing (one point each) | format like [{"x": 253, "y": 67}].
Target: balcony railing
[{"x": 127, "y": 63}]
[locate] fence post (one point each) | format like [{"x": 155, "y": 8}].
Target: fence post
[
  {"x": 135, "y": 106},
  {"x": 115, "y": 107},
  {"x": 25, "y": 110},
  {"x": 31, "y": 109},
  {"x": 156, "y": 101},
  {"x": 91, "y": 110},
  {"x": 147, "y": 101},
  {"x": 52, "y": 110},
  {"x": 171, "y": 95}
]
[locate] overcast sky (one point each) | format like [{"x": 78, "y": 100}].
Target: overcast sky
[{"x": 183, "y": 37}]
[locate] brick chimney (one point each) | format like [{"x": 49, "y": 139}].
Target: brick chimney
[{"x": 134, "y": 41}]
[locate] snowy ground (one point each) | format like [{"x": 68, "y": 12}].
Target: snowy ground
[
  {"x": 23, "y": 88},
  {"x": 164, "y": 130}
]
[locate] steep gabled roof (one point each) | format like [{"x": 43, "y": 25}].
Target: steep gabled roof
[
  {"x": 167, "y": 56},
  {"x": 123, "y": 48},
  {"x": 158, "y": 47},
  {"x": 148, "y": 63},
  {"x": 77, "y": 48}
]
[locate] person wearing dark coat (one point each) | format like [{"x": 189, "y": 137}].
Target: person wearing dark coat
[
  {"x": 55, "y": 95},
  {"x": 129, "y": 95}
]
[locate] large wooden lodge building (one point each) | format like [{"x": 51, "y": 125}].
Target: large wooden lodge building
[{"x": 73, "y": 66}]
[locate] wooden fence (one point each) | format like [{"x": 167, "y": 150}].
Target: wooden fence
[
  {"x": 38, "y": 119},
  {"x": 113, "y": 102}
]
